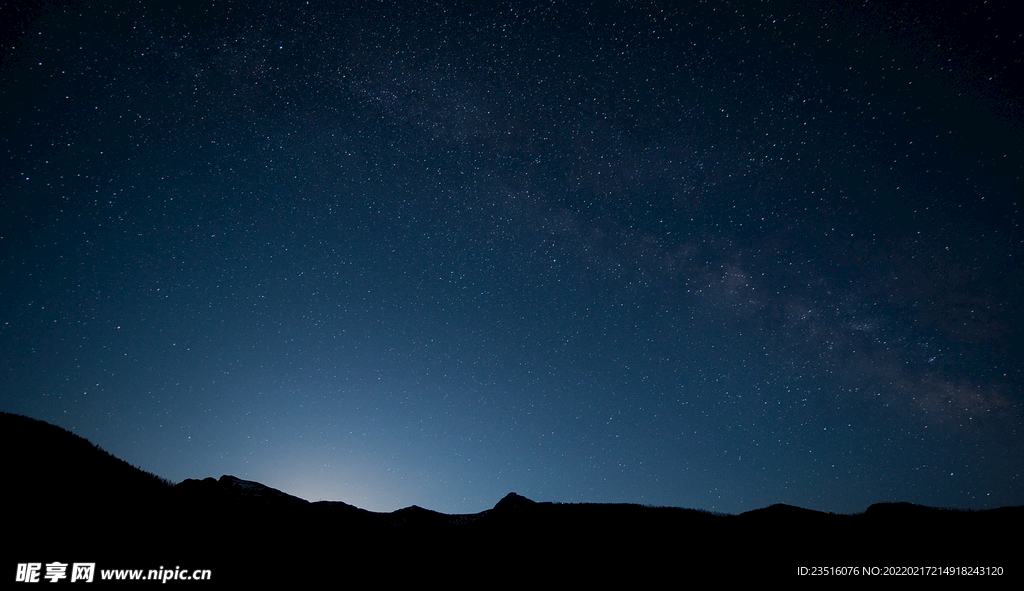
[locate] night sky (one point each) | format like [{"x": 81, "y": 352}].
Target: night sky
[{"x": 715, "y": 255}]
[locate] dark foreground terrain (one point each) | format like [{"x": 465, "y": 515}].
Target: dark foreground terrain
[{"x": 68, "y": 501}]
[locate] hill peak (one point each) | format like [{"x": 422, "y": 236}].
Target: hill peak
[{"x": 513, "y": 501}]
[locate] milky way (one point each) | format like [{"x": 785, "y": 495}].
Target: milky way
[{"x": 718, "y": 256}]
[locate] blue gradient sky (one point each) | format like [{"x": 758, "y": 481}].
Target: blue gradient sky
[{"x": 714, "y": 255}]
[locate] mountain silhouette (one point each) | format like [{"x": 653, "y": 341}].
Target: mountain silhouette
[{"x": 68, "y": 500}]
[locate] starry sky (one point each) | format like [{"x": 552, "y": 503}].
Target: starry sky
[{"x": 714, "y": 254}]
